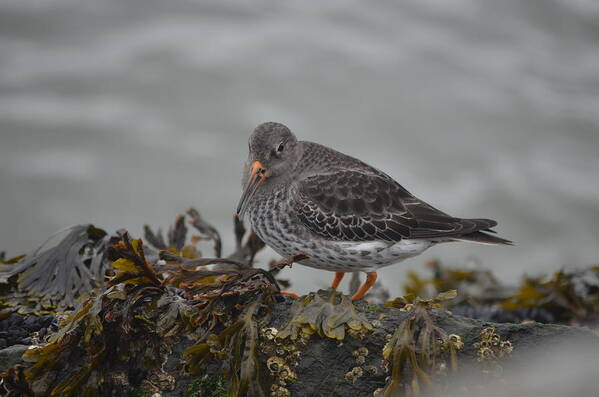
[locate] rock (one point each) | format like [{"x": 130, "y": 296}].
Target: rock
[
  {"x": 11, "y": 356},
  {"x": 331, "y": 368},
  {"x": 325, "y": 362}
]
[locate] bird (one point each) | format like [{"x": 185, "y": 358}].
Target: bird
[{"x": 337, "y": 213}]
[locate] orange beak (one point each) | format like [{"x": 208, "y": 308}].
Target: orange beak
[{"x": 257, "y": 176}]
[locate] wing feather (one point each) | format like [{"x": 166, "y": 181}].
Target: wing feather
[{"x": 358, "y": 205}]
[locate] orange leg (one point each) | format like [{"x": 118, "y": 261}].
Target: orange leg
[
  {"x": 370, "y": 280},
  {"x": 337, "y": 279},
  {"x": 291, "y": 294}
]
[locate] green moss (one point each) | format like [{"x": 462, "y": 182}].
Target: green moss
[{"x": 206, "y": 386}]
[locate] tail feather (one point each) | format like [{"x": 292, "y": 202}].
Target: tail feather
[{"x": 482, "y": 237}]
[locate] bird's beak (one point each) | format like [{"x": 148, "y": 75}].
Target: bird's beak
[{"x": 257, "y": 176}]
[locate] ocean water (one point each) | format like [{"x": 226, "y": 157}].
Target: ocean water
[{"x": 122, "y": 113}]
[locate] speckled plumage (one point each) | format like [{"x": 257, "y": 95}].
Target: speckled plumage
[{"x": 345, "y": 215}]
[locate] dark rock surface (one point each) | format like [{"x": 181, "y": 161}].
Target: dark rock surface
[
  {"x": 11, "y": 356},
  {"x": 324, "y": 363},
  {"x": 19, "y": 329}
]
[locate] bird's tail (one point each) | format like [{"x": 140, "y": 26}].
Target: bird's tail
[{"x": 481, "y": 237}]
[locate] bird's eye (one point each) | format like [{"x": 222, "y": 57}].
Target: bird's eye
[{"x": 281, "y": 147}]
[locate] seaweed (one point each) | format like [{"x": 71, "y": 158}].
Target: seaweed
[
  {"x": 327, "y": 313},
  {"x": 51, "y": 280},
  {"x": 54, "y": 278},
  {"x": 129, "y": 324},
  {"x": 208, "y": 232},
  {"x": 569, "y": 296},
  {"x": 156, "y": 294},
  {"x": 236, "y": 347},
  {"x": 176, "y": 236},
  {"x": 14, "y": 384},
  {"x": 418, "y": 350}
]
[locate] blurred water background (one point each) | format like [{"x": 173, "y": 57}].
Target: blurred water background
[{"x": 122, "y": 113}]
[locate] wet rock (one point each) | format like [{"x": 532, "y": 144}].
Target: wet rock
[
  {"x": 19, "y": 329},
  {"x": 11, "y": 356}
]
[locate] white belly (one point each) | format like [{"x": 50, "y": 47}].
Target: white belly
[{"x": 352, "y": 256}]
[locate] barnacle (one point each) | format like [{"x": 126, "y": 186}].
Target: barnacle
[
  {"x": 360, "y": 354},
  {"x": 491, "y": 349},
  {"x": 354, "y": 374}
]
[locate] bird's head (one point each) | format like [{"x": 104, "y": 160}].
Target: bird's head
[{"x": 273, "y": 152}]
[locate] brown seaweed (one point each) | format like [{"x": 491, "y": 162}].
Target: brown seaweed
[{"x": 418, "y": 351}]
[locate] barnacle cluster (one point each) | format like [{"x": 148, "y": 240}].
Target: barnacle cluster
[
  {"x": 358, "y": 371},
  {"x": 283, "y": 355},
  {"x": 491, "y": 349},
  {"x": 354, "y": 374}
]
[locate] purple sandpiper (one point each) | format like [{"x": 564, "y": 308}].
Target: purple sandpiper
[{"x": 338, "y": 213}]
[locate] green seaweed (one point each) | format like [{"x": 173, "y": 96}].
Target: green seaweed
[{"x": 327, "y": 313}]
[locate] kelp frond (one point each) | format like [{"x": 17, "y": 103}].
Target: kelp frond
[{"x": 59, "y": 275}]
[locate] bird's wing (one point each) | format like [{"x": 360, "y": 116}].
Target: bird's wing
[{"x": 356, "y": 205}]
